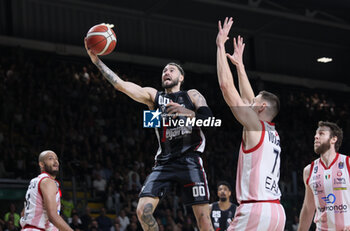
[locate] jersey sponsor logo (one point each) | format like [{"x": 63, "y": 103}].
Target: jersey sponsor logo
[
  {"x": 342, "y": 208},
  {"x": 339, "y": 174},
  {"x": 340, "y": 188},
  {"x": 177, "y": 132},
  {"x": 316, "y": 185},
  {"x": 339, "y": 180},
  {"x": 317, "y": 177},
  {"x": 329, "y": 199},
  {"x": 316, "y": 192},
  {"x": 151, "y": 118}
]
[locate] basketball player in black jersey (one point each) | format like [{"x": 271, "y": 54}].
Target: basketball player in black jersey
[
  {"x": 178, "y": 157},
  {"x": 222, "y": 211}
]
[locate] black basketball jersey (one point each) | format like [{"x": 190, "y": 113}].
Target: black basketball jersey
[
  {"x": 221, "y": 219},
  {"x": 175, "y": 139}
]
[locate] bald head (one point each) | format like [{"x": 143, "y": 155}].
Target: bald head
[
  {"x": 43, "y": 155},
  {"x": 48, "y": 162}
]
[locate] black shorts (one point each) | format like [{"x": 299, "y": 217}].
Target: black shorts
[{"x": 187, "y": 171}]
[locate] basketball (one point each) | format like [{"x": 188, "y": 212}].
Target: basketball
[{"x": 101, "y": 39}]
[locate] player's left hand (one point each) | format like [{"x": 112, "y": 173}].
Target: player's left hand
[
  {"x": 237, "y": 56},
  {"x": 176, "y": 109},
  {"x": 347, "y": 228}
]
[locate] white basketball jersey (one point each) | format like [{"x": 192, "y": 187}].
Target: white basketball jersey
[
  {"x": 35, "y": 216},
  {"x": 331, "y": 189},
  {"x": 258, "y": 168}
]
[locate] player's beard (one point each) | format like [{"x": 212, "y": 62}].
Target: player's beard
[
  {"x": 170, "y": 85},
  {"x": 223, "y": 199},
  {"x": 49, "y": 170},
  {"x": 323, "y": 147}
]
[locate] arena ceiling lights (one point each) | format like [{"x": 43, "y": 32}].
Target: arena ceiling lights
[{"x": 324, "y": 60}]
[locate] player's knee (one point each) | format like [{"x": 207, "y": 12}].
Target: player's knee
[
  {"x": 139, "y": 211},
  {"x": 144, "y": 209}
]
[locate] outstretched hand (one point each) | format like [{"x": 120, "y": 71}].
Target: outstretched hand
[
  {"x": 237, "y": 56},
  {"x": 93, "y": 56},
  {"x": 224, "y": 29}
]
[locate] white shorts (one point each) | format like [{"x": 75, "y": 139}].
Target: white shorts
[{"x": 259, "y": 216}]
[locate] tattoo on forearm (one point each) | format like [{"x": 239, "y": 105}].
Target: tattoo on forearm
[
  {"x": 148, "y": 219},
  {"x": 107, "y": 73}
]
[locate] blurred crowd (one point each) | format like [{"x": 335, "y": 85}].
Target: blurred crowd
[{"x": 64, "y": 104}]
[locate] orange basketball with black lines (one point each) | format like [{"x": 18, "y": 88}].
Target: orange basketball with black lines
[{"x": 101, "y": 39}]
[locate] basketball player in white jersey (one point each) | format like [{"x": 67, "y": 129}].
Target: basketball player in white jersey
[
  {"x": 258, "y": 168},
  {"x": 42, "y": 206},
  {"x": 327, "y": 183}
]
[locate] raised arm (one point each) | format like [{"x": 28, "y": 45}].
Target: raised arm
[
  {"x": 49, "y": 189},
  {"x": 242, "y": 112},
  {"x": 308, "y": 209},
  {"x": 145, "y": 95},
  {"x": 236, "y": 58}
]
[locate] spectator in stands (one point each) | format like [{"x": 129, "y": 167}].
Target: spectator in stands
[
  {"x": 132, "y": 227},
  {"x": 67, "y": 205},
  {"x": 104, "y": 222},
  {"x": 86, "y": 219},
  {"x": 124, "y": 220},
  {"x": 134, "y": 183},
  {"x": 2, "y": 224},
  {"x": 180, "y": 219},
  {"x": 116, "y": 224},
  {"x": 115, "y": 227},
  {"x": 99, "y": 185},
  {"x": 10, "y": 226},
  {"x": 113, "y": 199},
  {"x": 12, "y": 213},
  {"x": 76, "y": 222},
  {"x": 295, "y": 224},
  {"x": 94, "y": 226},
  {"x": 133, "y": 219},
  {"x": 133, "y": 176}
]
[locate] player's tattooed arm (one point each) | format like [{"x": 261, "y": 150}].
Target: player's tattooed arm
[
  {"x": 107, "y": 73},
  {"x": 197, "y": 98},
  {"x": 145, "y": 95}
]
